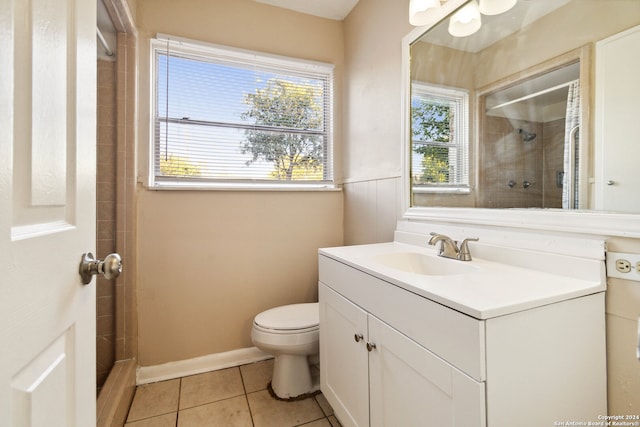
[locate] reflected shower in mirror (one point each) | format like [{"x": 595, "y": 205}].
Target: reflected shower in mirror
[
  {"x": 526, "y": 137},
  {"x": 502, "y": 118}
]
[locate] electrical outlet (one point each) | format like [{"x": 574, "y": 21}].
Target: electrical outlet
[{"x": 623, "y": 265}]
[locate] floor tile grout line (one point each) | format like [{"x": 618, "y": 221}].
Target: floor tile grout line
[
  {"x": 313, "y": 421},
  {"x": 150, "y": 417},
  {"x": 179, "y": 396},
  {"x": 212, "y": 402},
  {"x": 246, "y": 397},
  {"x": 315, "y": 399},
  {"x": 244, "y": 376}
]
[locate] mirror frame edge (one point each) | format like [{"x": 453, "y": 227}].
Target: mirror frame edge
[{"x": 571, "y": 221}]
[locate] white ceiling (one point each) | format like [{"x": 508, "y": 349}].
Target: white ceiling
[{"x": 332, "y": 9}]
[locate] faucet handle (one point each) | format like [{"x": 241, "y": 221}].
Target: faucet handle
[{"x": 464, "y": 254}]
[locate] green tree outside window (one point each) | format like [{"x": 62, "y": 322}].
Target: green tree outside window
[
  {"x": 431, "y": 125},
  {"x": 295, "y": 155}
]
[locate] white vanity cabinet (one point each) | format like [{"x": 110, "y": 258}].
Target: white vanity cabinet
[
  {"x": 374, "y": 375},
  {"x": 391, "y": 357}
]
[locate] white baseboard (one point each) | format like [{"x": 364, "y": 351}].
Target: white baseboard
[{"x": 198, "y": 365}]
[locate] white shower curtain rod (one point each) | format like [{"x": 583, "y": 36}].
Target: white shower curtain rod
[
  {"x": 531, "y": 95},
  {"x": 103, "y": 42}
]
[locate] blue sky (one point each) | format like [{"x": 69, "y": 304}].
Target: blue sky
[{"x": 209, "y": 91}]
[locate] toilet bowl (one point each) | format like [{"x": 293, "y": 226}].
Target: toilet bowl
[{"x": 291, "y": 334}]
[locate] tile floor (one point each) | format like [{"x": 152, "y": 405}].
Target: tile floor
[{"x": 233, "y": 397}]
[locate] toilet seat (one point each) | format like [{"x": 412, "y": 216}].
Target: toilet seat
[{"x": 287, "y": 319}]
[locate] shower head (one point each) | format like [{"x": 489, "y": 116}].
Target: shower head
[{"x": 527, "y": 136}]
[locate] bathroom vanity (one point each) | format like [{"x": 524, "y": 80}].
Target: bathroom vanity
[{"x": 411, "y": 339}]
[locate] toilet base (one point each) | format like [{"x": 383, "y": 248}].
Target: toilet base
[{"x": 292, "y": 377}]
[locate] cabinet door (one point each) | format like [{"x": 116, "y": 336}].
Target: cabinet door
[
  {"x": 410, "y": 386},
  {"x": 343, "y": 360}
]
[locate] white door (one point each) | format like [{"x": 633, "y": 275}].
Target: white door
[
  {"x": 617, "y": 137},
  {"x": 47, "y": 212}
]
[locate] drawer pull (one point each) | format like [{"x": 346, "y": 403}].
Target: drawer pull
[
  {"x": 370, "y": 346},
  {"x": 358, "y": 337}
]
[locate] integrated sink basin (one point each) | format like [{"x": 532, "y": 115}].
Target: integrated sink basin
[
  {"x": 498, "y": 281},
  {"x": 417, "y": 263}
]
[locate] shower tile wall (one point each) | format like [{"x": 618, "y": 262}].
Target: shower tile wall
[
  {"x": 126, "y": 315},
  {"x": 114, "y": 401},
  {"x": 105, "y": 216},
  {"x": 505, "y": 157}
]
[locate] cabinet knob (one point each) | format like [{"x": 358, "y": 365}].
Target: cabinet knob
[
  {"x": 370, "y": 346},
  {"x": 358, "y": 337}
]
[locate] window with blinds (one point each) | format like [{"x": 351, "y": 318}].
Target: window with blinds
[
  {"x": 230, "y": 117},
  {"x": 439, "y": 139}
]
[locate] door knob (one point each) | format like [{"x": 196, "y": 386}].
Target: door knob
[{"x": 110, "y": 267}]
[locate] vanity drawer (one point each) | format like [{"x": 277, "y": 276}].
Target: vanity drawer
[{"x": 455, "y": 337}]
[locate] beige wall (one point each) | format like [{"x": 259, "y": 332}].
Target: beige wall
[
  {"x": 623, "y": 309},
  {"x": 372, "y": 155},
  {"x": 209, "y": 261}
]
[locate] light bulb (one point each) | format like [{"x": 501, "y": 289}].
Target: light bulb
[
  {"x": 465, "y": 21},
  {"x": 495, "y": 7},
  {"x": 421, "y": 11}
]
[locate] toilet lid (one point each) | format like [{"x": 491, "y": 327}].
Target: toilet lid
[{"x": 290, "y": 317}]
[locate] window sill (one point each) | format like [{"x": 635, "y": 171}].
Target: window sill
[{"x": 227, "y": 186}]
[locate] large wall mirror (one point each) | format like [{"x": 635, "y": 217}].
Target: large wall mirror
[{"x": 505, "y": 110}]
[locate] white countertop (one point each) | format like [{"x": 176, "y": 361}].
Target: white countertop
[{"x": 494, "y": 289}]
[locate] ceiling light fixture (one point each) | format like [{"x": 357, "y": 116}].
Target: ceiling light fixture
[
  {"x": 421, "y": 11},
  {"x": 465, "y": 21}
]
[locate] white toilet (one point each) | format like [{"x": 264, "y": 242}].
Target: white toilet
[{"x": 291, "y": 334}]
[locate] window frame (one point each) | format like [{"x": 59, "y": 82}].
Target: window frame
[
  {"x": 193, "y": 48},
  {"x": 460, "y": 99}
]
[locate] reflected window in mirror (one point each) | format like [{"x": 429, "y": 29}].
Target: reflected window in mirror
[
  {"x": 440, "y": 139},
  {"x": 523, "y": 69}
]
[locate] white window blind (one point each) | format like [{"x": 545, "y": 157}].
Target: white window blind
[
  {"x": 440, "y": 139},
  {"x": 224, "y": 116}
]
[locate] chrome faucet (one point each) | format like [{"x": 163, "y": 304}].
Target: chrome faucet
[{"x": 449, "y": 248}]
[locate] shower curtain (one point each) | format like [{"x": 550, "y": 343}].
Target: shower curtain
[{"x": 571, "y": 148}]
